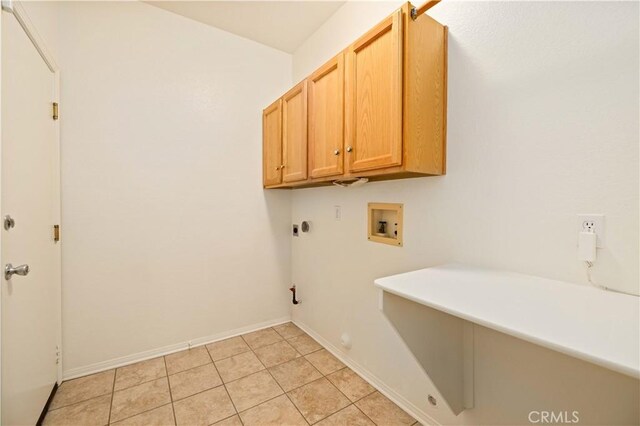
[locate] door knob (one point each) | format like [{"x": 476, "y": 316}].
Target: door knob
[
  {"x": 9, "y": 270},
  {"x": 349, "y": 148},
  {"x": 9, "y": 222}
]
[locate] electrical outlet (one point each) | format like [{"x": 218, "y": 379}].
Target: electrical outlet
[{"x": 592, "y": 223}]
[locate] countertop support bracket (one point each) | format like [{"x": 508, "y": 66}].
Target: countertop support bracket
[{"x": 442, "y": 344}]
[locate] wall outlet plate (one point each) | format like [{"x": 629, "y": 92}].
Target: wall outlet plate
[{"x": 594, "y": 223}]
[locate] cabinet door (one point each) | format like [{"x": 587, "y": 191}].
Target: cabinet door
[
  {"x": 272, "y": 144},
  {"x": 326, "y": 119},
  {"x": 374, "y": 98},
  {"x": 294, "y": 133}
]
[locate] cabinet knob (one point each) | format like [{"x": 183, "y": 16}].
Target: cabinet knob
[
  {"x": 349, "y": 148},
  {"x": 280, "y": 167},
  {"x": 336, "y": 152}
]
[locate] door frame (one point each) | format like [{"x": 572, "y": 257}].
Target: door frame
[{"x": 16, "y": 9}]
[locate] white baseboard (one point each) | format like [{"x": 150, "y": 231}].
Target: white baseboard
[
  {"x": 376, "y": 382},
  {"x": 166, "y": 350}
]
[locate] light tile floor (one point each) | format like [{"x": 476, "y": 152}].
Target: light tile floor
[{"x": 276, "y": 376}]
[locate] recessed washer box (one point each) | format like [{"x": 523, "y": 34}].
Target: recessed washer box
[{"x": 385, "y": 223}]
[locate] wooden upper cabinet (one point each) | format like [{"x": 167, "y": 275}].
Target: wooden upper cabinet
[
  {"x": 378, "y": 110},
  {"x": 272, "y": 144},
  {"x": 374, "y": 98},
  {"x": 326, "y": 119},
  {"x": 294, "y": 134}
]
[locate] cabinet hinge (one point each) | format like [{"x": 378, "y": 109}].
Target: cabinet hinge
[
  {"x": 56, "y": 233},
  {"x": 55, "y": 111}
]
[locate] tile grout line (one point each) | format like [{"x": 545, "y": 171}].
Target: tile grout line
[
  {"x": 173, "y": 409},
  {"x": 332, "y": 384},
  {"x": 226, "y": 357},
  {"x": 227, "y": 418},
  {"x": 226, "y": 390},
  {"x": 241, "y": 377},
  {"x": 225, "y": 385},
  {"x": 183, "y": 346},
  {"x": 113, "y": 392},
  {"x": 241, "y": 353},
  {"x": 78, "y": 402},
  {"x": 323, "y": 376},
  {"x": 369, "y": 394},
  {"x": 304, "y": 384},
  {"x": 167, "y": 371},
  {"x": 275, "y": 380},
  {"x": 267, "y": 370},
  {"x": 138, "y": 384},
  {"x": 374, "y": 391},
  {"x": 352, "y": 402},
  {"x": 263, "y": 402},
  {"x": 254, "y": 406},
  {"x": 150, "y": 409},
  {"x": 365, "y": 414},
  {"x": 127, "y": 387},
  {"x": 362, "y": 397},
  {"x": 329, "y": 380},
  {"x": 251, "y": 350},
  {"x": 194, "y": 394},
  {"x": 286, "y": 340},
  {"x": 296, "y": 407},
  {"x": 191, "y": 368},
  {"x": 142, "y": 412},
  {"x": 182, "y": 371},
  {"x": 222, "y": 382}
]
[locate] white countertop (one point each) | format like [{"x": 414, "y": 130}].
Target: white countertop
[{"x": 594, "y": 325}]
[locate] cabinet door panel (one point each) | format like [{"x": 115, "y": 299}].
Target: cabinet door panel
[
  {"x": 294, "y": 136},
  {"x": 374, "y": 98},
  {"x": 272, "y": 144},
  {"x": 326, "y": 119}
]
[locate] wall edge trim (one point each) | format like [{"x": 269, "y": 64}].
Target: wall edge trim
[
  {"x": 373, "y": 380},
  {"x": 98, "y": 367}
]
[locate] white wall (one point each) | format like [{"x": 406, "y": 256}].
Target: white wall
[
  {"x": 168, "y": 235},
  {"x": 542, "y": 125},
  {"x": 167, "y": 232}
]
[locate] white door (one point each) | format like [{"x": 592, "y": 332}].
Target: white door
[{"x": 31, "y": 303}]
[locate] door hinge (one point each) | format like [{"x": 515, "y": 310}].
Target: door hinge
[
  {"x": 55, "y": 111},
  {"x": 56, "y": 233}
]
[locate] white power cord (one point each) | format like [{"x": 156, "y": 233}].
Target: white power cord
[
  {"x": 589, "y": 266},
  {"x": 593, "y": 283}
]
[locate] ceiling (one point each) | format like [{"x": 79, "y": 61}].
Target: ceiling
[{"x": 283, "y": 25}]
